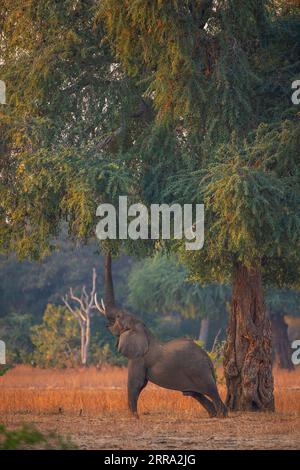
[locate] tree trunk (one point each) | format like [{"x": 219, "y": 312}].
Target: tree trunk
[
  {"x": 248, "y": 349},
  {"x": 204, "y": 327},
  {"x": 281, "y": 343},
  {"x": 109, "y": 297}
]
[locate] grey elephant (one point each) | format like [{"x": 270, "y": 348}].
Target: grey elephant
[{"x": 179, "y": 364}]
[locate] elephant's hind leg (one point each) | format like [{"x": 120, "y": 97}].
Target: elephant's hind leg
[
  {"x": 205, "y": 402},
  {"x": 219, "y": 405}
]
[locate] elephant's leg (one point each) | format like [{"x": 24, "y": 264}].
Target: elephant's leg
[
  {"x": 219, "y": 405},
  {"x": 205, "y": 402},
  {"x": 136, "y": 382}
]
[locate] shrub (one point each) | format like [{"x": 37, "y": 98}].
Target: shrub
[
  {"x": 56, "y": 339},
  {"x": 28, "y": 436}
]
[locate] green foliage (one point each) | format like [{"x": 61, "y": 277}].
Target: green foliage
[
  {"x": 28, "y": 437},
  {"x": 64, "y": 129},
  {"x": 252, "y": 209},
  {"x": 161, "y": 284},
  {"x": 105, "y": 353},
  {"x": 208, "y": 70},
  {"x": 15, "y": 330},
  {"x": 226, "y": 89},
  {"x": 57, "y": 340},
  {"x": 4, "y": 369},
  {"x": 156, "y": 285},
  {"x": 185, "y": 49}
]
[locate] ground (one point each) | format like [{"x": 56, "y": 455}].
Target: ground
[
  {"x": 89, "y": 406},
  {"x": 161, "y": 431}
]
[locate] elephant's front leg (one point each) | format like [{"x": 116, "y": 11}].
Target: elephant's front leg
[{"x": 136, "y": 382}]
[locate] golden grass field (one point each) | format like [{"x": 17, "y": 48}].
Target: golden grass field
[{"x": 89, "y": 405}]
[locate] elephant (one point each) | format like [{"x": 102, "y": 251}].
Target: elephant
[{"x": 179, "y": 364}]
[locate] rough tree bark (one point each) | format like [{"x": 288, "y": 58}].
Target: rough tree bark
[
  {"x": 204, "y": 328},
  {"x": 248, "y": 349},
  {"x": 281, "y": 343}
]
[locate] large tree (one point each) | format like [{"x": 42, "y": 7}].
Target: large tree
[
  {"x": 220, "y": 75},
  {"x": 221, "y": 130}
]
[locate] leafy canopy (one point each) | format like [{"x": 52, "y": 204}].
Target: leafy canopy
[
  {"x": 220, "y": 76},
  {"x": 217, "y": 124}
]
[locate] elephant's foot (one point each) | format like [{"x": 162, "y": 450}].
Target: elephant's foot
[
  {"x": 222, "y": 410},
  {"x": 205, "y": 402},
  {"x": 219, "y": 406},
  {"x": 223, "y": 413}
]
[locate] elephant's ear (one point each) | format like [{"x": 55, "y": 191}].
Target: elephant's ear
[{"x": 134, "y": 343}]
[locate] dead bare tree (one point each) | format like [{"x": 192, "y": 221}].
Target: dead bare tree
[{"x": 83, "y": 314}]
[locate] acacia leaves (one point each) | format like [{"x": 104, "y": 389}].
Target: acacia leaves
[
  {"x": 253, "y": 214},
  {"x": 57, "y": 188}
]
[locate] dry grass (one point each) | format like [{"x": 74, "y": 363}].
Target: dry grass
[
  {"x": 100, "y": 391},
  {"x": 81, "y": 378},
  {"x": 89, "y": 405}
]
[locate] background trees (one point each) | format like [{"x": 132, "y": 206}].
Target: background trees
[
  {"x": 56, "y": 339},
  {"x": 281, "y": 303},
  {"x": 29, "y": 286},
  {"x": 161, "y": 284}
]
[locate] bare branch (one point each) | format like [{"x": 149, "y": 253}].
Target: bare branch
[
  {"x": 101, "y": 309},
  {"x": 82, "y": 308},
  {"x": 74, "y": 312},
  {"x": 85, "y": 294},
  {"x": 77, "y": 299}
]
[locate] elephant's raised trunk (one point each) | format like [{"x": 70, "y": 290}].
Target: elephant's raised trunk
[
  {"x": 109, "y": 297},
  {"x": 108, "y": 306}
]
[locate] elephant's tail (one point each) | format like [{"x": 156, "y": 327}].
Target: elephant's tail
[
  {"x": 213, "y": 371},
  {"x": 214, "y": 374}
]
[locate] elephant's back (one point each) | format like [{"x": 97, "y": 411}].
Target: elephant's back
[
  {"x": 190, "y": 354},
  {"x": 185, "y": 346}
]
